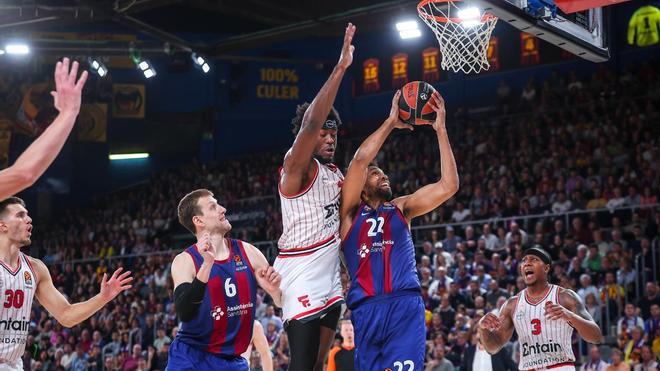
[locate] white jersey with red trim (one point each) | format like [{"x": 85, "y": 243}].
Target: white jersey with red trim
[
  {"x": 308, "y": 257},
  {"x": 17, "y": 288},
  {"x": 543, "y": 343}
]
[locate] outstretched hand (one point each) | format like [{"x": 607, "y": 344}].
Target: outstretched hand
[
  {"x": 117, "y": 283},
  {"x": 393, "y": 119},
  {"x": 347, "y": 49},
  {"x": 68, "y": 91},
  {"x": 437, "y": 103}
]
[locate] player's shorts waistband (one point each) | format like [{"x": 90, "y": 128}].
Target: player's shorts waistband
[
  {"x": 302, "y": 251},
  {"x": 180, "y": 343},
  {"x": 557, "y": 365},
  {"x": 385, "y": 297}
]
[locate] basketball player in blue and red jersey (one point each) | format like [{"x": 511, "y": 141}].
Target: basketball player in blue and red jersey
[
  {"x": 385, "y": 293},
  {"x": 308, "y": 259},
  {"x": 215, "y": 284}
]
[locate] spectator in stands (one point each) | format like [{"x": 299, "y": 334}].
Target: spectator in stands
[
  {"x": 597, "y": 201},
  {"x": 595, "y": 363},
  {"x": 587, "y": 288},
  {"x": 451, "y": 240},
  {"x": 616, "y": 200},
  {"x": 131, "y": 362},
  {"x": 477, "y": 358},
  {"x": 461, "y": 214},
  {"x": 647, "y": 362},
  {"x": 161, "y": 339},
  {"x": 436, "y": 360},
  {"x": 79, "y": 362},
  {"x": 652, "y": 324},
  {"x": 632, "y": 348},
  {"x": 593, "y": 260},
  {"x": 494, "y": 293},
  {"x": 629, "y": 321},
  {"x": 617, "y": 362},
  {"x": 650, "y": 298},
  {"x": 440, "y": 284},
  {"x": 270, "y": 317},
  {"x": 561, "y": 205}
]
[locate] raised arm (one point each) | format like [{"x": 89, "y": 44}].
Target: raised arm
[
  {"x": 267, "y": 277},
  {"x": 357, "y": 170},
  {"x": 433, "y": 195},
  {"x": 298, "y": 160},
  {"x": 496, "y": 331},
  {"x": 40, "y": 154},
  {"x": 573, "y": 311},
  {"x": 68, "y": 314}
]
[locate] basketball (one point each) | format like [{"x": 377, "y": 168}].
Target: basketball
[{"x": 413, "y": 107}]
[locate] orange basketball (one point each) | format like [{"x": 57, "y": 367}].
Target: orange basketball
[{"x": 413, "y": 107}]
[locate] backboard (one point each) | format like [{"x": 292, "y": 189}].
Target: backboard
[{"x": 583, "y": 33}]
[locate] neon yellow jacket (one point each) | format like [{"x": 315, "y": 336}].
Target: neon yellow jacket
[{"x": 644, "y": 26}]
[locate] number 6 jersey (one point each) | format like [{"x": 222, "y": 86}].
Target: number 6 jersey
[
  {"x": 379, "y": 254},
  {"x": 543, "y": 343},
  {"x": 17, "y": 287},
  {"x": 225, "y": 319}
]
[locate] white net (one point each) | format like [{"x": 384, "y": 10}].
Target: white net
[{"x": 463, "y": 34}]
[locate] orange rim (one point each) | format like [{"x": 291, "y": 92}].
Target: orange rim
[{"x": 484, "y": 18}]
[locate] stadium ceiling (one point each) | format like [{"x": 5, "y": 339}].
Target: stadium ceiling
[{"x": 238, "y": 24}]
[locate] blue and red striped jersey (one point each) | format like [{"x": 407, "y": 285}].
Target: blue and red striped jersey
[
  {"x": 225, "y": 318},
  {"x": 379, "y": 254}
]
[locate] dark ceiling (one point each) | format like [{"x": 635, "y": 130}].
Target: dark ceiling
[{"x": 231, "y": 25}]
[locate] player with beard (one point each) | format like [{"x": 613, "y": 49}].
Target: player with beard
[
  {"x": 215, "y": 285},
  {"x": 308, "y": 259},
  {"x": 543, "y": 315},
  {"x": 22, "y": 278},
  {"x": 385, "y": 293}
]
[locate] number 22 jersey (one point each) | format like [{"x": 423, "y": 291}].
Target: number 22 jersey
[{"x": 380, "y": 255}]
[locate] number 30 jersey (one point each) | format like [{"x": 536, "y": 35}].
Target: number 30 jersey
[
  {"x": 17, "y": 287},
  {"x": 379, "y": 254},
  {"x": 225, "y": 319}
]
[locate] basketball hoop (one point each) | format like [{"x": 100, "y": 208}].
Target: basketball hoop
[{"x": 462, "y": 32}]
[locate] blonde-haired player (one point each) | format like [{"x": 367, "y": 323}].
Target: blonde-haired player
[
  {"x": 23, "y": 277},
  {"x": 543, "y": 316}
]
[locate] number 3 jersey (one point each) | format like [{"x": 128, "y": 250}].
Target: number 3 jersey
[
  {"x": 17, "y": 287},
  {"x": 225, "y": 319},
  {"x": 543, "y": 342},
  {"x": 379, "y": 254}
]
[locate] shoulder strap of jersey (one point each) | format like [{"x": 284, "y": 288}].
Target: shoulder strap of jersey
[
  {"x": 237, "y": 249},
  {"x": 196, "y": 256},
  {"x": 31, "y": 268}
]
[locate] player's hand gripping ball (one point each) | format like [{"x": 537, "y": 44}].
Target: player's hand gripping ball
[{"x": 413, "y": 107}]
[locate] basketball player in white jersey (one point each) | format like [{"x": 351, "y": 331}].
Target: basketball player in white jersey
[
  {"x": 308, "y": 260},
  {"x": 22, "y": 278},
  {"x": 40, "y": 154},
  {"x": 260, "y": 343},
  {"x": 543, "y": 316}
]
